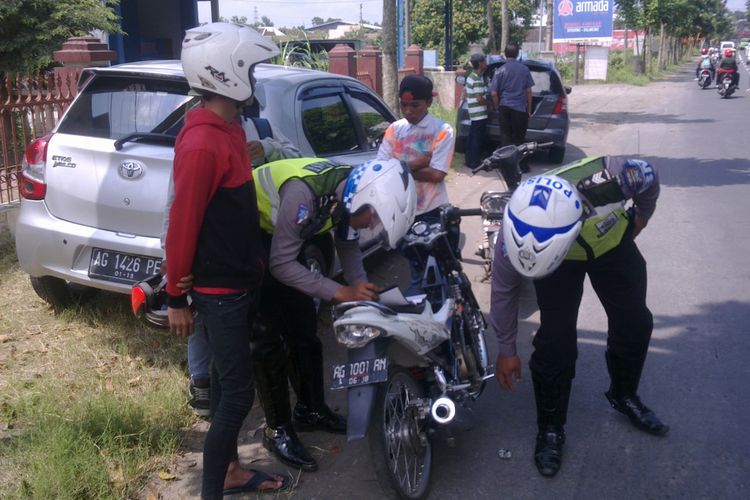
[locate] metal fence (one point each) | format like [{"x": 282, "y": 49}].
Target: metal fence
[{"x": 29, "y": 108}]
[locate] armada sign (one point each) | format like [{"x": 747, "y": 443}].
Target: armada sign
[{"x": 583, "y": 20}]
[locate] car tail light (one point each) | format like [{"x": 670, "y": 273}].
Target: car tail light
[
  {"x": 137, "y": 300},
  {"x": 561, "y": 105},
  {"x": 31, "y": 184}
]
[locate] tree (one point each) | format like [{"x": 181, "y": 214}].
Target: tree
[
  {"x": 266, "y": 21},
  {"x": 317, "y": 21},
  {"x": 390, "y": 63},
  {"x": 30, "y": 30},
  {"x": 237, "y": 20}
]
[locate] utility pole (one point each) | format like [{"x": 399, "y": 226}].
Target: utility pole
[{"x": 448, "y": 34}]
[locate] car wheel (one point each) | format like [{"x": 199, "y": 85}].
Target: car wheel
[
  {"x": 557, "y": 155},
  {"x": 315, "y": 262},
  {"x": 59, "y": 293}
]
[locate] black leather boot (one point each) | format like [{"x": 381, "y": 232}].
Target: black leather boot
[
  {"x": 640, "y": 415},
  {"x": 552, "y": 398},
  {"x": 287, "y": 447},
  {"x": 548, "y": 450},
  {"x": 307, "y": 420},
  {"x": 625, "y": 376}
]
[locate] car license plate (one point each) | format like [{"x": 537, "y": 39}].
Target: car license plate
[
  {"x": 368, "y": 371},
  {"x": 122, "y": 267}
]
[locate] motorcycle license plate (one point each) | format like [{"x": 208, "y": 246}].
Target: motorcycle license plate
[{"x": 368, "y": 371}]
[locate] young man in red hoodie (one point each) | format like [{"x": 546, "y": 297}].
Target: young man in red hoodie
[{"x": 214, "y": 235}]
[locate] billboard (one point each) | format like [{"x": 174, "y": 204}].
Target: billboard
[{"x": 583, "y": 20}]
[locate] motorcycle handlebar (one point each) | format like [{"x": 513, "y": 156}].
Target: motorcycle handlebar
[{"x": 468, "y": 211}]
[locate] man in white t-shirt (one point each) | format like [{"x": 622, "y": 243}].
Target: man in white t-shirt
[{"x": 425, "y": 143}]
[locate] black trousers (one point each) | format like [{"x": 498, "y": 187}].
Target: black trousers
[
  {"x": 286, "y": 349},
  {"x": 513, "y": 125},
  {"x": 619, "y": 280}
]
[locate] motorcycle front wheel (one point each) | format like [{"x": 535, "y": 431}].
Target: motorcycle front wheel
[{"x": 400, "y": 449}]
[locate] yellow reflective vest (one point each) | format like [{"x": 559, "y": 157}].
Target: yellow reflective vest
[
  {"x": 320, "y": 175},
  {"x": 604, "y": 229}
]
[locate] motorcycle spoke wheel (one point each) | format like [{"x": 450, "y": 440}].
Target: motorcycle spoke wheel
[{"x": 401, "y": 451}]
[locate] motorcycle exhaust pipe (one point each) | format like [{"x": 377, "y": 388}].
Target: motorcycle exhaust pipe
[{"x": 443, "y": 410}]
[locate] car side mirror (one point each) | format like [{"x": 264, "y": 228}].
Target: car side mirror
[
  {"x": 461, "y": 80},
  {"x": 568, "y": 90}
]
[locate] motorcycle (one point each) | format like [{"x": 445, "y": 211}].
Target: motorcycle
[
  {"x": 505, "y": 160},
  {"x": 726, "y": 87},
  {"x": 704, "y": 78},
  {"x": 414, "y": 365}
]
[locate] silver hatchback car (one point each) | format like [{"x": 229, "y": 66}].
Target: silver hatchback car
[{"x": 94, "y": 190}]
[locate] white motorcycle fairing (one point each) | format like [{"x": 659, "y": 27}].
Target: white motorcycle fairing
[{"x": 419, "y": 332}]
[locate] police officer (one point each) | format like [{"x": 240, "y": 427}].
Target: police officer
[
  {"x": 299, "y": 199},
  {"x": 557, "y": 229}
]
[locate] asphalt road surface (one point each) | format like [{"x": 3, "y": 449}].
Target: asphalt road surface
[{"x": 697, "y": 375}]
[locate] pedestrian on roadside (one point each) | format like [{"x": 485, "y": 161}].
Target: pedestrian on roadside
[
  {"x": 476, "y": 100},
  {"x": 298, "y": 200},
  {"x": 425, "y": 143},
  {"x": 511, "y": 95},
  {"x": 214, "y": 235},
  {"x": 546, "y": 237}
]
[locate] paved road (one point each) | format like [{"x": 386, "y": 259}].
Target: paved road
[{"x": 697, "y": 375}]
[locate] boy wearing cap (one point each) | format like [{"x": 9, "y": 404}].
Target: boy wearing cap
[{"x": 425, "y": 143}]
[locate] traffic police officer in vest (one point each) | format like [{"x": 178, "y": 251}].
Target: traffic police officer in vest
[
  {"x": 557, "y": 229},
  {"x": 297, "y": 200}
]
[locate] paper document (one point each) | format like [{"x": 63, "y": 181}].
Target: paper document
[{"x": 393, "y": 297}]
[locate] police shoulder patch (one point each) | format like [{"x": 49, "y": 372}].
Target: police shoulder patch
[{"x": 302, "y": 213}]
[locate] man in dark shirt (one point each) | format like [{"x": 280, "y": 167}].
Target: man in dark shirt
[{"x": 511, "y": 95}]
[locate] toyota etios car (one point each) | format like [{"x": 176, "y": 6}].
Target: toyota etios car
[{"x": 94, "y": 190}]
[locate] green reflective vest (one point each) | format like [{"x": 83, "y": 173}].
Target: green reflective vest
[
  {"x": 604, "y": 229},
  {"x": 320, "y": 175}
]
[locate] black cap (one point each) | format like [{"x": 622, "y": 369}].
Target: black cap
[{"x": 416, "y": 87}]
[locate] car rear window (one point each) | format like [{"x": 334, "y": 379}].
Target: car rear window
[
  {"x": 545, "y": 82},
  {"x": 114, "y": 106}
]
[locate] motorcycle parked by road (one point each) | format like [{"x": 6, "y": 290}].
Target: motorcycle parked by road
[
  {"x": 506, "y": 161},
  {"x": 413, "y": 365},
  {"x": 726, "y": 86}
]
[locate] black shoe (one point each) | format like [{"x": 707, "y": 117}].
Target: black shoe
[
  {"x": 638, "y": 413},
  {"x": 306, "y": 420},
  {"x": 548, "y": 451},
  {"x": 287, "y": 447}
]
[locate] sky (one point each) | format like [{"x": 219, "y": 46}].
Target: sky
[{"x": 290, "y": 13}]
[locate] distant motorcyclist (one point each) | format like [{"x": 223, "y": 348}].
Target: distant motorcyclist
[
  {"x": 705, "y": 62},
  {"x": 728, "y": 64}
]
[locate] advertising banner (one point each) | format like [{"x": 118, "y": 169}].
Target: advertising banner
[{"x": 583, "y": 20}]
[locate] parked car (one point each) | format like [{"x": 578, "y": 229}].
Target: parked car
[
  {"x": 549, "y": 120},
  {"x": 94, "y": 190}
]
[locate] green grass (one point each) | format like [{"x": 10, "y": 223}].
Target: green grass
[
  {"x": 92, "y": 402},
  {"x": 449, "y": 115}
]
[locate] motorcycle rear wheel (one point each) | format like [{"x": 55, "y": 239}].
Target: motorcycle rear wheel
[{"x": 400, "y": 449}]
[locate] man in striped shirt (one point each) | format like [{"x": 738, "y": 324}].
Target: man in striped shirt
[{"x": 477, "y": 102}]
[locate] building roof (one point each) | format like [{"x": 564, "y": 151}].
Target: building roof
[{"x": 335, "y": 24}]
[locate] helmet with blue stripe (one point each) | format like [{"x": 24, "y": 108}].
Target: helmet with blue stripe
[
  {"x": 387, "y": 188},
  {"x": 541, "y": 221}
]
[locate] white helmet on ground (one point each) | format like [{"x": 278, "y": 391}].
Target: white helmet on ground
[
  {"x": 218, "y": 58},
  {"x": 541, "y": 222},
  {"x": 388, "y": 188}
]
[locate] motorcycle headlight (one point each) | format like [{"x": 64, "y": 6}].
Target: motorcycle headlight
[
  {"x": 354, "y": 336},
  {"x": 493, "y": 204}
]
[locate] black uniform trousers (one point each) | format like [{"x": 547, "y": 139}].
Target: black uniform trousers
[
  {"x": 286, "y": 348},
  {"x": 619, "y": 280},
  {"x": 513, "y": 126}
]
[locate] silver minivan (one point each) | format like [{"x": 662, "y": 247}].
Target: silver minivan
[{"x": 94, "y": 190}]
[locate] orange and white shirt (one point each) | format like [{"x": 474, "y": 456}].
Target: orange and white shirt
[{"x": 404, "y": 141}]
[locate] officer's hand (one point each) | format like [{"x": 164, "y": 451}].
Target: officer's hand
[
  {"x": 638, "y": 224},
  {"x": 180, "y": 321},
  {"x": 507, "y": 371},
  {"x": 361, "y": 291},
  {"x": 186, "y": 283},
  {"x": 255, "y": 150}
]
